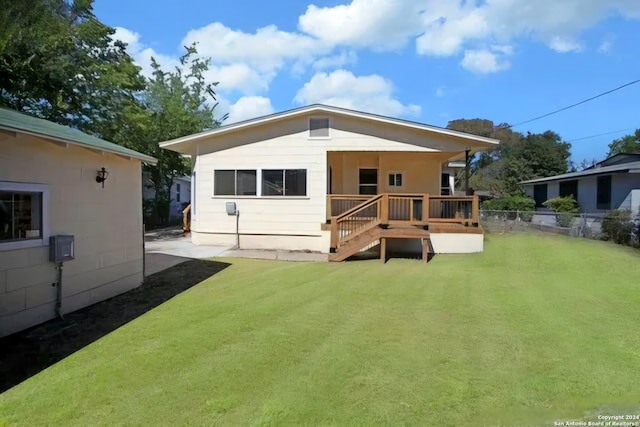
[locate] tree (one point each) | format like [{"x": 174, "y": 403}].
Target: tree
[
  {"x": 175, "y": 104},
  {"x": 626, "y": 144},
  {"x": 59, "y": 62},
  {"x": 583, "y": 165},
  {"x": 515, "y": 159}
]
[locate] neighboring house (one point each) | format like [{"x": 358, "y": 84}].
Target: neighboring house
[
  {"x": 180, "y": 195},
  {"x": 48, "y": 187},
  {"x": 314, "y": 177},
  {"x": 611, "y": 184}
]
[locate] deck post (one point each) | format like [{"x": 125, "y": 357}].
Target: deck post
[
  {"x": 384, "y": 217},
  {"x": 383, "y": 249},
  {"x": 334, "y": 233},
  {"x": 425, "y": 208},
  {"x": 425, "y": 249},
  {"x": 475, "y": 215}
]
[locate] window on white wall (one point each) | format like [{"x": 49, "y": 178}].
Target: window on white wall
[
  {"x": 395, "y": 180},
  {"x": 177, "y": 192},
  {"x": 23, "y": 214},
  {"x": 284, "y": 182},
  {"x": 234, "y": 182},
  {"x": 319, "y": 128}
]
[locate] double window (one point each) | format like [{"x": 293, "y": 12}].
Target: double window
[
  {"x": 395, "y": 180},
  {"x": 274, "y": 182},
  {"x": 234, "y": 183}
]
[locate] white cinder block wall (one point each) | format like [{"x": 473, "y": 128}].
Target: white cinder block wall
[{"x": 106, "y": 223}]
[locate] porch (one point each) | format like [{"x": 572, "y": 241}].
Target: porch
[{"x": 358, "y": 222}]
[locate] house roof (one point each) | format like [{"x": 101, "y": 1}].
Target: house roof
[
  {"x": 320, "y": 108},
  {"x": 631, "y": 167},
  {"x": 16, "y": 121},
  {"x": 618, "y": 159}
]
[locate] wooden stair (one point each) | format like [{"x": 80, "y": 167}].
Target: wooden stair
[{"x": 361, "y": 240}]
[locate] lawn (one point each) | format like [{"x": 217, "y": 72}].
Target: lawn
[{"x": 535, "y": 329}]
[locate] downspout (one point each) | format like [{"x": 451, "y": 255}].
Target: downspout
[
  {"x": 58, "y": 286},
  {"x": 237, "y": 229}
]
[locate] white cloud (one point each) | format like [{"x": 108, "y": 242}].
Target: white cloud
[
  {"x": 440, "y": 92},
  {"x": 376, "y": 24},
  {"x": 563, "y": 45},
  {"x": 446, "y": 28},
  {"x": 483, "y": 61},
  {"x": 247, "y": 107},
  {"x": 605, "y": 46},
  {"x": 142, "y": 54},
  {"x": 341, "y": 88},
  {"x": 336, "y": 61}
]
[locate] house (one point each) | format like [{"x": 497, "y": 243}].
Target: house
[
  {"x": 179, "y": 196},
  {"x": 57, "y": 181},
  {"x": 330, "y": 180},
  {"x": 614, "y": 183}
]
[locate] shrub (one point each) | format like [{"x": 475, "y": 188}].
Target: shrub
[
  {"x": 618, "y": 227},
  {"x": 566, "y": 208},
  {"x": 524, "y": 205}
]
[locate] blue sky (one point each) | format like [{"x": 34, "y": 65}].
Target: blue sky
[{"x": 425, "y": 60}]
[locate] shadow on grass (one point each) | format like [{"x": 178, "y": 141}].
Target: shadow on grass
[{"x": 28, "y": 352}]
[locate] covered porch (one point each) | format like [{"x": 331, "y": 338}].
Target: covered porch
[{"x": 373, "y": 197}]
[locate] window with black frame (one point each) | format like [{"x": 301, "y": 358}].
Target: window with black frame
[
  {"x": 284, "y": 182},
  {"x": 231, "y": 182}
]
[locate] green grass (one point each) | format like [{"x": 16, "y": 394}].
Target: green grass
[{"x": 535, "y": 329}]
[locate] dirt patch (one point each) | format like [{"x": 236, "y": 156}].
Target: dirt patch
[{"x": 26, "y": 353}]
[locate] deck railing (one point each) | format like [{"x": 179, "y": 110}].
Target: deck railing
[
  {"x": 412, "y": 209},
  {"x": 355, "y": 220}
]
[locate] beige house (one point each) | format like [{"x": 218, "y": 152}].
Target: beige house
[
  {"x": 330, "y": 180},
  {"x": 48, "y": 187}
]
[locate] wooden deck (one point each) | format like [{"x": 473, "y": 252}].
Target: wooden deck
[{"x": 357, "y": 222}]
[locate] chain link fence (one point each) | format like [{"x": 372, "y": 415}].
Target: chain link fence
[{"x": 577, "y": 225}]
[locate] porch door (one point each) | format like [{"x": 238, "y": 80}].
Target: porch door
[{"x": 368, "y": 183}]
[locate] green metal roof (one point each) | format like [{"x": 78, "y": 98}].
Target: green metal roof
[{"x": 19, "y": 122}]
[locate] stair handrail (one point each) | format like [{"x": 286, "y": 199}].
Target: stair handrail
[{"x": 356, "y": 208}]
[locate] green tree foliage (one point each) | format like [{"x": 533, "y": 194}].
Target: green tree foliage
[
  {"x": 174, "y": 104},
  {"x": 566, "y": 209},
  {"x": 59, "y": 62},
  {"x": 517, "y": 157},
  {"x": 626, "y": 144},
  {"x": 618, "y": 226}
]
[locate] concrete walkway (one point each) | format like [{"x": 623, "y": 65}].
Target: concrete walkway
[
  {"x": 169, "y": 247},
  {"x": 276, "y": 255}
]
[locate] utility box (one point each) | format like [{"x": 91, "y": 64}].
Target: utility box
[
  {"x": 61, "y": 248},
  {"x": 231, "y": 208}
]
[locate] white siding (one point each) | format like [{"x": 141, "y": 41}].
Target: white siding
[{"x": 287, "y": 146}]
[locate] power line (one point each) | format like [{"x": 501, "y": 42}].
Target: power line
[
  {"x": 600, "y": 134},
  {"x": 576, "y": 104}
]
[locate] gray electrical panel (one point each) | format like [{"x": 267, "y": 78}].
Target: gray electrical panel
[
  {"x": 61, "y": 248},
  {"x": 231, "y": 208}
]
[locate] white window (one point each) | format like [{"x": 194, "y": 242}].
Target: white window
[
  {"x": 284, "y": 182},
  {"x": 23, "y": 215},
  {"x": 177, "y": 192},
  {"x": 233, "y": 182},
  {"x": 395, "y": 180},
  {"x": 319, "y": 128}
]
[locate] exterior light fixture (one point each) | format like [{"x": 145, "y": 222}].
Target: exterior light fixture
[{"x": 102, "y": 176}]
